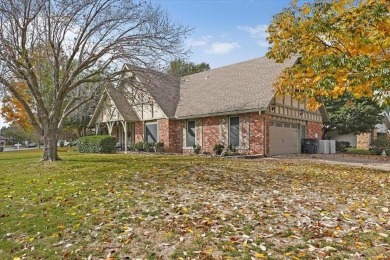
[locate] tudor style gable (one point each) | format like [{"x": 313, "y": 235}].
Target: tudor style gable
[
  {"x": 142, "y": 102},
  {"x": 110, "y": 112}
]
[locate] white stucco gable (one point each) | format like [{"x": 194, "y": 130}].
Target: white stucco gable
[{"x": 142, "y": 102}]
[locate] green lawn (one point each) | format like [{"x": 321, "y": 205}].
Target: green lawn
[{"x": 171, "y": 207}]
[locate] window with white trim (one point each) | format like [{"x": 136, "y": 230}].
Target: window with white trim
[
  {"x": 190, "y": 133},
  {"x": 234, "y": 131},
  {"x": 151, "y": 133}
]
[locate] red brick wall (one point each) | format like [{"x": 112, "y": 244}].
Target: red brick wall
[
  {"x": 314, "y": 130},
  {"x": 244, "y": 131},
  {"x": 175, "y": 130},
  {"x": 211, "y": 132},
  {"x": 215, "y": 130},
  {"x": 256, "y": 138},
  {"x": 163, "y": 131},
  {"x": 138, "y": 132}
]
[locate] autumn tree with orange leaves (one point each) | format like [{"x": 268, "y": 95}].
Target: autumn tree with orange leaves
[
  {"x": 14, "y": 112},
  {"x": 343, "y": 45}
]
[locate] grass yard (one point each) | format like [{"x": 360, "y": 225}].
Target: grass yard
[{"x": 182, "y": 207}]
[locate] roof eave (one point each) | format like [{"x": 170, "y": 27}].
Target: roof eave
[
  {"x": 98, "y": 109},
  {"x": 233, "y": 112}
]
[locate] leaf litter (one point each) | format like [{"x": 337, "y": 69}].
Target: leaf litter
[{"x": 183, "y": 207}]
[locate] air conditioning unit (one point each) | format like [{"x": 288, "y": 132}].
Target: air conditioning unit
[{"x": 327, "y": 146}]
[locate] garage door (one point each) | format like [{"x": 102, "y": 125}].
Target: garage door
[{"x": 283, "y": 138}]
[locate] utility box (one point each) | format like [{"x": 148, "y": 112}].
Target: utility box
[
  {"x": 332, "y": 146},
  {"x": 327, "y": 146},
  {"x": 323, "y": 146}
]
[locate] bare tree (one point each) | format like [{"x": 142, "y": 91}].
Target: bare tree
[{"x": 60, "y": 47}]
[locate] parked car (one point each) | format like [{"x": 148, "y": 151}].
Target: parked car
[
  {"x": 31, "y": 145},
  {"x": 1, "y": 148},
  {"x": 66, "y": 143}
]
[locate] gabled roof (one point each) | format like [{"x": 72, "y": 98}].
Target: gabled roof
[
  {"x": 164, "y": 88},
  {"x": 245, "y": 86},
  {"x": 121, "y": 103}
]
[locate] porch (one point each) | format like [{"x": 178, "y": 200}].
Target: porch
[{"x": 123, "y": 131}]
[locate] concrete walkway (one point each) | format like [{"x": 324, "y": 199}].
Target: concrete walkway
[{"x": 365, "y": 161}]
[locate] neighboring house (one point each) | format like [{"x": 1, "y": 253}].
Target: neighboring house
[
  {"x": 233, "y": 105},
  {"x": 363, "y": 141},
  {"x": 3, "y": 140}
]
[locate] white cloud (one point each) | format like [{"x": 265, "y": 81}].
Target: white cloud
[
  {"x": 202, "y": 41},
  {"x": 257, "y": 32},
  {"x": 196, "y": 43},
  {"x": 222, "y": 47}
]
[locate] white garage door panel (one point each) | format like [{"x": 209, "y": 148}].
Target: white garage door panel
[{"x": 283, "y": 140}]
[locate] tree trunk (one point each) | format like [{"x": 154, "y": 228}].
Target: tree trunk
[{"x": 50, "y": 139}]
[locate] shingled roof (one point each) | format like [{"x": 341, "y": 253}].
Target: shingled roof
[
  {"x": 122, "y": 104},
  {"x": 164, "y": 88},
  {"x": 245, "y": 86}
]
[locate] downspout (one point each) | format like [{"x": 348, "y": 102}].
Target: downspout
[
  {"x": 264, "y": 137},
  {"x": 249, "y": 133},
  {"x": 262, "y": 113}
]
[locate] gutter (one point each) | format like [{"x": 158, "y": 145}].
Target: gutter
[{"x": 221, "y": 113}]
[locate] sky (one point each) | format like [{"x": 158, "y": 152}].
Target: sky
[{"x": 223, "y": 31}]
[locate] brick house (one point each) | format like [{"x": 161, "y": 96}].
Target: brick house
[{"x": 232, "y": 105}]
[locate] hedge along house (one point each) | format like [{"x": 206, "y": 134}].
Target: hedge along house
[{"x": 233, "y": 105}]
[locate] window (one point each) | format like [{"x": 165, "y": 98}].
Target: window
[
  {"x": 190, "y": 136},
  {"x": 151, "y": 132},
  {"x": 234, "y": 131}
]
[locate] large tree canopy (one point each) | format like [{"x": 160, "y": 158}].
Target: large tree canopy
[
  {"x": 65, "y": 50},
  {"x": 349, "y": 115},
  {"x": 182, "y": 68},
  {"x": 343, "y": 45}
]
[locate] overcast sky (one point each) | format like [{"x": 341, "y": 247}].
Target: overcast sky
[{"x": 224, "y": 31}]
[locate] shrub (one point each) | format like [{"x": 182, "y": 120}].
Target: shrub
[
  {"x": 382, "y": 143},
  {"x": 358, "y": 151},
  {"x": 197, "y": 149},
  {"x": 139, "y": 146},
  {"x": 218, "y": 148},
  {"x": 159, "y": 147},
  {"x": 341, "y": 146},
  {"x": 97, "y": 144},
  {"x": 131, "y": 146},
  {"x": 232, "y": 148},
  {"x": 148, "y": 147},
  {"x": 62, "y": 143}
]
